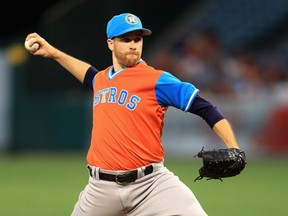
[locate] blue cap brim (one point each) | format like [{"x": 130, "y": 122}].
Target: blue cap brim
[{"x": 145, "y": 32}]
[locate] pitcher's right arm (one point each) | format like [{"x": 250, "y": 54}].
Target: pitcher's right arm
[{"x": 76, "y": 67}]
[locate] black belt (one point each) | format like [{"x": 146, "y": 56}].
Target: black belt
[{"x": 128, "y": 177}]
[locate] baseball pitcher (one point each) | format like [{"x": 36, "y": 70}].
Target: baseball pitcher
[{"x": 125, "y": 161}]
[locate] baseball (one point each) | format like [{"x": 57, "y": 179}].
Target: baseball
[{"x": 33, "y": 47}]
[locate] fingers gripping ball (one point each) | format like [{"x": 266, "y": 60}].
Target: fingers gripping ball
[
  {"x": 31, "y": 47},
  {"x": 221, "y": 163}
]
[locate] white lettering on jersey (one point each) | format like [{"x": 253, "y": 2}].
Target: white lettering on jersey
[{"x": 109, "y": 95}]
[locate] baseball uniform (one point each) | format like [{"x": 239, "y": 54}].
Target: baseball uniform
[{"x": 128, "y": 118}]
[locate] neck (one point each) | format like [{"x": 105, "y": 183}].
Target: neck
[{"x": 117, "y": 66}]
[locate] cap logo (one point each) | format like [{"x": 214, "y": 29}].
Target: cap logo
[{"x": 130, "y": 19}]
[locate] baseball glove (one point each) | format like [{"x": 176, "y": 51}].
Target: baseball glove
[{"x": 221, "y": 163}]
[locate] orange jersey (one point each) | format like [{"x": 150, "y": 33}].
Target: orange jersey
[{"x": 128, "y": 115}]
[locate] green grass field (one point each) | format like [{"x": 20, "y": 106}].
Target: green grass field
[{"x": 49, "y": 184}]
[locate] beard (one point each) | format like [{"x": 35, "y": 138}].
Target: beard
[{"x": 128, "y": 59}]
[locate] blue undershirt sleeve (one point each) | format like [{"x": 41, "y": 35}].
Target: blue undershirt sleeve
[
  {"x": 89, "y": 76},
  {"x": 206, "y": 110}
]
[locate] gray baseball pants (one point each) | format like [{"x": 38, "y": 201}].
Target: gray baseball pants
[{"x": 159, "y": 193}]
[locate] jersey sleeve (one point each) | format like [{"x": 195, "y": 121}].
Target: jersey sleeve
[{"x": 170, "y": 91}]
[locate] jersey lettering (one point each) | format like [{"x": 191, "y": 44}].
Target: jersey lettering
[
  {"x": 122, "y": 98},
  {"x": 134, "y": 100},
  {"x": 96, "y": 98},
  {"x": 104, "y": 92},
  {"x": 112, "y": 95}
]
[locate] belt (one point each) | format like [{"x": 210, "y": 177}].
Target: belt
[{"x": 128, "y": 177}]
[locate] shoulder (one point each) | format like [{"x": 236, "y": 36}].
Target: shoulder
[
  {"x": 104, "y": 71},
  {"x": 148, "y": 68}
]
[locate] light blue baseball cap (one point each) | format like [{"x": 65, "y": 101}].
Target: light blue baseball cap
[{"x": 124, "y": 23}]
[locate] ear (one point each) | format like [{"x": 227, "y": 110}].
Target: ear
[{"x": 110, "y": 44}]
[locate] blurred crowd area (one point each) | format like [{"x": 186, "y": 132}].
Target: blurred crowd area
[{"x": 202, "y": 60}]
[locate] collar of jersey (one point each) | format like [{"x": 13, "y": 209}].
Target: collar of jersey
[{"x": 112, "y": 74}]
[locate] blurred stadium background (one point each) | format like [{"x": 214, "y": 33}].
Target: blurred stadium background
[{"x": 234, "y": 51}]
